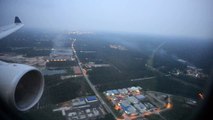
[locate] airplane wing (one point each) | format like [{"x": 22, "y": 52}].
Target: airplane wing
[
  {"x": 21, "y": 86},
  {"x": 9, "y": 29}
]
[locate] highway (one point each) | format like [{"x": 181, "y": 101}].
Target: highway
[{"x": 90, "y": 83}]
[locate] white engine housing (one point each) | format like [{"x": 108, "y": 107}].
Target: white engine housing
[{"x": 21, "y": 86}]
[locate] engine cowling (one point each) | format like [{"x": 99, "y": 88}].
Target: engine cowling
[{"x": 21, "y": 86}]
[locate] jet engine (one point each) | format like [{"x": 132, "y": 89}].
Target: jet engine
[{"x": 21, "y": 86}]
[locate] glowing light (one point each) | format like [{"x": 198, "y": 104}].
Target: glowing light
[
  {"x": 138, "y": 91},
  {"x": 117, "y": 107},
  {"x": 201, "y": 96},
  {"x": 168, "y": 105}
]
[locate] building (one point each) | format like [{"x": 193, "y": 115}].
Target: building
[
  {"x": 141, "y": 107},
  {"x": 78, "y": 101},
  {"x": 115, "y": 92},
  {"x": 140, "y": 97},
  {"x": 123, "y": 91},
  {"x": 95, "y": 111},
  {"x": 132, "y": 99},
  {"x": 134, "y": 89},
  {"x": 90, "y": 99},
  {"x": 109, "y": 93},
  {"x": 72, "y": 114},
  {"x": 148, "y": 105},
  {"x": 128, "y": 108}
]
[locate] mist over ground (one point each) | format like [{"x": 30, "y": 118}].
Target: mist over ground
[{"x": 184, "y": 18}]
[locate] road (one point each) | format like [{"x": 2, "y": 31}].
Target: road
[
  {"x": 90, "y": 83},
  {"x": 140, "y": 79}
]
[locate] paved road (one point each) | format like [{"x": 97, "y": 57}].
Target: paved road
[
  {"x": 140, "y": 79},
  {"x": 90, "y": 84}
]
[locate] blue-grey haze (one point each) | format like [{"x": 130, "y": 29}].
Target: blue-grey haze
[{"x": 183, "y": 18}]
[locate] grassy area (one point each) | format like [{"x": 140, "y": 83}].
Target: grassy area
[
  {"x": 154, "y": 117},
  {"x": 57, "y": 90},
  {"x": 45, "y": 113},
  {"x": 180, "y": 110}
]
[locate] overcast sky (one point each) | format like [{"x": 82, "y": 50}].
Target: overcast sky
[{"x": 183, "y": 18}]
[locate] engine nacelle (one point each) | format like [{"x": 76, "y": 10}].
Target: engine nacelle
[{"x": 21, "y": 86}]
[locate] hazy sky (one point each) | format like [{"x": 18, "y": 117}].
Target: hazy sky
[{"x": 184, "y": 18}]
